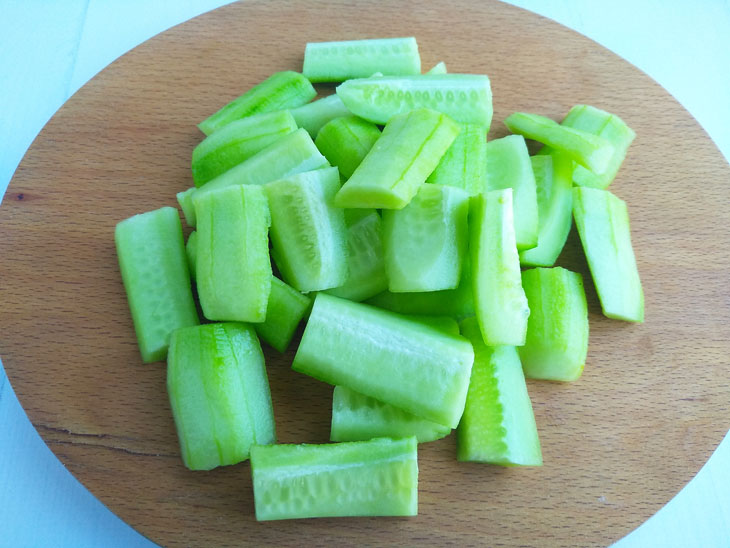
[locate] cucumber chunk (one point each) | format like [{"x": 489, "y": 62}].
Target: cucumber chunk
[
  {"x": 357, "y": 417},
  {"x": 400, "y": 161},
  {"x": 339, "y": 61},
  {"x": 557, "y": 331},
  {"x": 308, "y": 234},
  {"x": 438, "y": 68},
  {"x": 219, "y": 394},
  {"x": 346, "y": 141},
  {"x": 394, "y": 359},
  {"x": 465, "y": 98},
  {"x": 364, "y": 478},
  {"x": 238, "y": 141},
  {"x": 280, "y": 91},
  {"x": 233, "y": 269},
  {"x": 602, "y": 220},
  {"x": 464, "y": 165},
  {"x": 185, "y": 200},
  {"x": 509, "y": 166},
  {"x": 425, "y": 242},
  {"x": 284, "y": 312},
  {"x": 316, "y": 114},
  {"x": 191, "y": 251},
  {"x": 499, "y": 300},
  {"x": 154, "y": 270},
  {"x": 498, "y": 425}
]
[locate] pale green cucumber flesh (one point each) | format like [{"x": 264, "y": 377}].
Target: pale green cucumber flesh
[
  {"x": 185, "y": 199},
  {"x": 464, "y": 165},
  {"x": 438, "y": 68},
  {"x": 313, "y": 116},
  {"x": 285, "y": 310},
  {"x": 346, "y": 141},
  {"x": 191, "y": 251}
]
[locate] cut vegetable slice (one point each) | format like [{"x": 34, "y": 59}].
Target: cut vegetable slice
[
  {"x": 339, "y": 61},
  {"x": 557, "y": 331},
  {"x": 280, "y": 91},
  {"x": 316, "y": 114},
  {"x": 499, "y": 301},
  {"x": 346, "y": 141},
  {"x": 425, "y": 242},
  {"x": 191, "y": 251},
  {"x": 602, "y": 220},
  {"x": 285, "y": 310},
  {"x": 399, "y": 162},
  {"x": 308, "y": 233},
  {"x": 357, "y": 417},
  {"x": 420, "y": 369},
  {"x": 464, "y": 165},
  {"x": 219, "y": 394},
  {"x": 366, "y": 478},
  {"x": 185, "y": 199},
  {"x": 466, "y": 98},
  {"x": 498, "y": 425},
  {"x": 154, "y": 270},
  {"x": 438, "y": 68},
  {"x": 233, "y": 270}
]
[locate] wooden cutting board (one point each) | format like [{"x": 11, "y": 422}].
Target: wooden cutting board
[{"x": 618, "y": 444}]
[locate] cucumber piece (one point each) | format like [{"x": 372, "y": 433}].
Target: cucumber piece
[
  {"x": 219, "y": 394},
  {"x": 498, "y": 425},
  {"x": 339, "y": 61},
  {"x": 191, "y": 251},
  {"x": 406, "y": 153},
  {"x": 438, "y": 68},
  {"x": 425, "y": 242},
  {"x": 557, "y": 331},
  {"x": 590, "y": 151},
  {"x": 553, "y": 172},
  {"x": 365, "y": 478},
  {"x": 238, "y": 141},
  {"x": 233, "y": 269},
  {"x": 284, "y": 312},
  {"x": 609, "y": 127},
  {"x": 394, "y": 359},
  {"x": 308, "y": 234},
  {"x": 499, "y": 300},
  {"x": 464, "y": 165},
  {"x": 602, "y": 220},
  {"x": 466, "y": 98},
  {"x": 509, "y": 166},
  {"x": 316, "y": 114},
  {"x": 443, "y": 323},
  {"x": 280, "y": 91},
  {"x": 154, "y": 271},
  {"x": 185, "y": 199},
  {"x": 365, "y": 257},
  {"x": 346, "y": 141},
  {"x": 357, "y": 417}
]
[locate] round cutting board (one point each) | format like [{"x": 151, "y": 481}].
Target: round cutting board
[{"x": 617, "y": 444}]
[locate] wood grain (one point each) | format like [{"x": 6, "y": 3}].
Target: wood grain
[{"x": 648, "y": 411}]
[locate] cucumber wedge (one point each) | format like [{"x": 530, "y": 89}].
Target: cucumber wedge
[
  {"x": 191, "y": 252},
  {"x": 154, "y": 269},
  {"x": 346, "y": 141},
  {"x": 366, "y": 478},
  {"x": 316, "y": 114},
  {"x": 185, "y": 199},
  {"x": 438, "y": 68},
  {"x": 284, "y": 312},
  {"x": 464, "y": 165}
]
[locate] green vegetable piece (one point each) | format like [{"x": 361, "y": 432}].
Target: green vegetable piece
[
  {"x": 191, "y": 251},
  {"x": 465, "y": 98},
  {"x": 557, "y": 331},
  {"x": 233, "y": 269},
  {"x": 499, "y": 300},
  {"x": 406, "y": 153},
  {"x": 154, "y": 271},
  {"x": 607, "y": 126},
  {"x": 238, "y": 141},
  {"x": 185, "y": 199},
  {"x": 219, "y": 394},
  {"x": 339, "y": 61},
  {"x": 509, "y": 166},
  {"x": 420, "y": 369},
  {"x": 588, "y": 150},
  {"x": 316, "y": 114},
  {"x": 464, "y": 164},
  {"x": 425, "y": 242},
  {"x": 280, "y": 91},
  {"x": 553, "y": 174},
  {"x": 365, "y": 257},
  {"x": 602, "y": 220},
  {"x": 364, "y": 478},
  {"x": 498, "y": 425},
  {"x": 346, "y": 141},
  {"x": 308, "y": 233},
  {"x": 438, "y": 68},
  {"x": 285, "y": 310},
  {"x": 357, "y": 417}
]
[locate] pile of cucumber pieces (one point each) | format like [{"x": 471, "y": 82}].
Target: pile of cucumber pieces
[{"x": 399, "y": 234}]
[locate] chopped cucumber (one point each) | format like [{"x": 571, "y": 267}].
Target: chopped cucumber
[
  {"x": 400, "y": 161},
  {"x": 282, "y": 90},
  {"x": 339, "y": 61},
  {"x": 498, "y": 425},
  {"x": 154, "y": 270},
  {"x": 394, "y": 359},
  {"x": 285, "y": 310},
  {"x": 316, "y": 114},
  {"x": 557, "y": 331},
  {"x": 363, "y": 478},
  {"x": 191, "y": 251},
  {"x": 602, "y": 220},
  {"x": 346, "y": 141},
  {"x": 185, "y": 199},
  {"x": 464, "y": 165},
  {"x": 219, "y": 394},
  {"x": 438, "y": 68}
]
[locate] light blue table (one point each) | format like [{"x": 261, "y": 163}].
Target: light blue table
[{"x": 49, "y": 49}]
